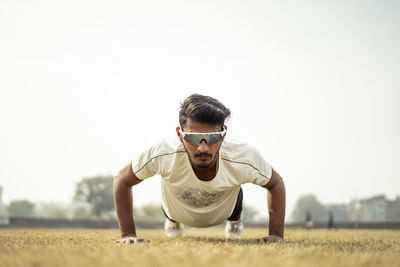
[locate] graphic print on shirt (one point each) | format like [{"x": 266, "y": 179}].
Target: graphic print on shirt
[{"x": 198, "y": 197}]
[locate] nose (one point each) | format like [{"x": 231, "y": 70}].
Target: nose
[{"x": 203, "y": 147}]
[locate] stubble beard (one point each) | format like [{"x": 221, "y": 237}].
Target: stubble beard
[{"x": 199, "y": 165}]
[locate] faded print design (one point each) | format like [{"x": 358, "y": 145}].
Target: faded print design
[{"x": 198, "y": 197}]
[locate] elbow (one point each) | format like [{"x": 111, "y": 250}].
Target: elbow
[{"x": 118, "y": 180}]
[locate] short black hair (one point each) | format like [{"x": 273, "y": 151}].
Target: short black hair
[{"x": 205, "y": 109}]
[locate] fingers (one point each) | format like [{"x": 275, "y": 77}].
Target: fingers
[
  {"x": 262, "y": 239},
  {"x": 131, "y": 240},
  {"x": 141, "y": 240},
  {"x": 269, "y": 239}
]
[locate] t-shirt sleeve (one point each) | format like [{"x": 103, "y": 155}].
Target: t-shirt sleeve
[
  {"x": 261, "y": 171},
  {"x": 148, "y": 163}
]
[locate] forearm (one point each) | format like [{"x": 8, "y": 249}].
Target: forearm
[
  {"x": 124, "y": 207},
  {"x": 276, "y": 208}
]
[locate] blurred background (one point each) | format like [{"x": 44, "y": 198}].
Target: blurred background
[{"x": 86, "y": 85}]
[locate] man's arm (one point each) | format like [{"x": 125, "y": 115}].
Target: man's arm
[
  {"x": 123, "y": 183},
  {"x": 276, "y": 207}
]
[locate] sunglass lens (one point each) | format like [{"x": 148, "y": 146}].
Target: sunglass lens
[
  {"x": 214, "y": 138},
  {"x": 196, "y": 139}
]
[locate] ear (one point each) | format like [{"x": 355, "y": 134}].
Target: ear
[
  {"x": 226, "y": 129},
  {"x": 179, "y": 134}
]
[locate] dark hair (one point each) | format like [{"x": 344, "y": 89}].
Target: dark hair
[{"x": 205, "y": 109}]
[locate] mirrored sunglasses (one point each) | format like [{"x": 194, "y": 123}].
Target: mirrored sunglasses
[{"x": 196, "y": 138}]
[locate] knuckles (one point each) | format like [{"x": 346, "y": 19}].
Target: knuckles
[
  {"x": 269, "y": 239},
  {"x": 130, "y": 240}
]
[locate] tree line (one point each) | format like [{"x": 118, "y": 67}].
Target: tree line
[
  {"x": 309, "y": 204},
  {"x": 93, "y": 199}
]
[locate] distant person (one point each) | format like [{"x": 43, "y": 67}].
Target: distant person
[
  {"x": 201, "y": 174},
  {"x": 308, "y": 223},
  {"x": 331, "y": 223}
]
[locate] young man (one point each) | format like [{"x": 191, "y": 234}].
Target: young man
[{"x": 201, "y": 174}]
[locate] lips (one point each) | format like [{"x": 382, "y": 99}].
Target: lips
[{"x": 205, "y": 155}]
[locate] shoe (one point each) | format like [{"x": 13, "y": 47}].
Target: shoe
[
  {"x": 173, "y": 229},
  {"x": 234, "y": 229}
]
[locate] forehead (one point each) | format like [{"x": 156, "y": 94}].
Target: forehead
[{"x": 200, "y": 127}]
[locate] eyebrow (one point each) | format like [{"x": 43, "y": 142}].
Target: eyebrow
[{"x": 216, "y": 132}]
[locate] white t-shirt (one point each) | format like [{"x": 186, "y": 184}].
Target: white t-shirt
[{"x": 191, "y": 201}]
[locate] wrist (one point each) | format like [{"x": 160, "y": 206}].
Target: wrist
[
  {"x": 276, "y": 233},
  {"x": 123, "y": 235}
]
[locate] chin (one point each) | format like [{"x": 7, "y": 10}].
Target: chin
[{"x": 203, "y": 165}]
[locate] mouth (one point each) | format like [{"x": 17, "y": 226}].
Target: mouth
[{"x": 203, "y": 156}]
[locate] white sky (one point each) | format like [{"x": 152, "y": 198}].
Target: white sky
[{"x": 314, "y": 85}]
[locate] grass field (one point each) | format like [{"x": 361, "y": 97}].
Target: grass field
[{"x": 198, "y": 247}]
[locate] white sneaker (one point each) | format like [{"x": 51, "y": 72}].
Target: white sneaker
[
  {"x": 234, "y": 229},
  {"x": 173, "y": 229}
]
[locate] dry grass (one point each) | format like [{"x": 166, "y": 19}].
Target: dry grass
[{"x": 198, "y": 247}]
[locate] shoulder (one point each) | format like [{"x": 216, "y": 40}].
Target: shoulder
[
  {"x": 234, "y": 149},
  {"x": 242, "y": 156},
  {"x": 166, "y": 146},
  {"x": 156, "y": 158}
]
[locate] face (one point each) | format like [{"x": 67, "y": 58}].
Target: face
[{"x": 202, "y": 155}]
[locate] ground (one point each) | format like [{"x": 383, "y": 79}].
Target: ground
[{"x": 198, "y": 247}]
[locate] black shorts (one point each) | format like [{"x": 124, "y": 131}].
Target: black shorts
[{"x": 237, "y": 211}]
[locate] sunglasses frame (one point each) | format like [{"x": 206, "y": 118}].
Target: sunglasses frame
[{"x": 222, "y": 134}]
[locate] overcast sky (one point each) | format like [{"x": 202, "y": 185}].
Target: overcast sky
[{"x": 87, "y": 85}]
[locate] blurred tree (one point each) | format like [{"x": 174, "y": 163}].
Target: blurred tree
[
  {"x": 309, "y": 203},
  {"x": 150, "y": 213},
  {"x": 82, "y": 211},
  {"x": 53, "y": 210},
  {"x": 21, "y": 208},
  {"x": 97, "y": 192},
  {"x": 249, "y": 213}
]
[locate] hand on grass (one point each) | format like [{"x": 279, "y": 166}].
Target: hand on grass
[
  {"x": 270, "y": 239},
  {"x": 129, "y": 239}
]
